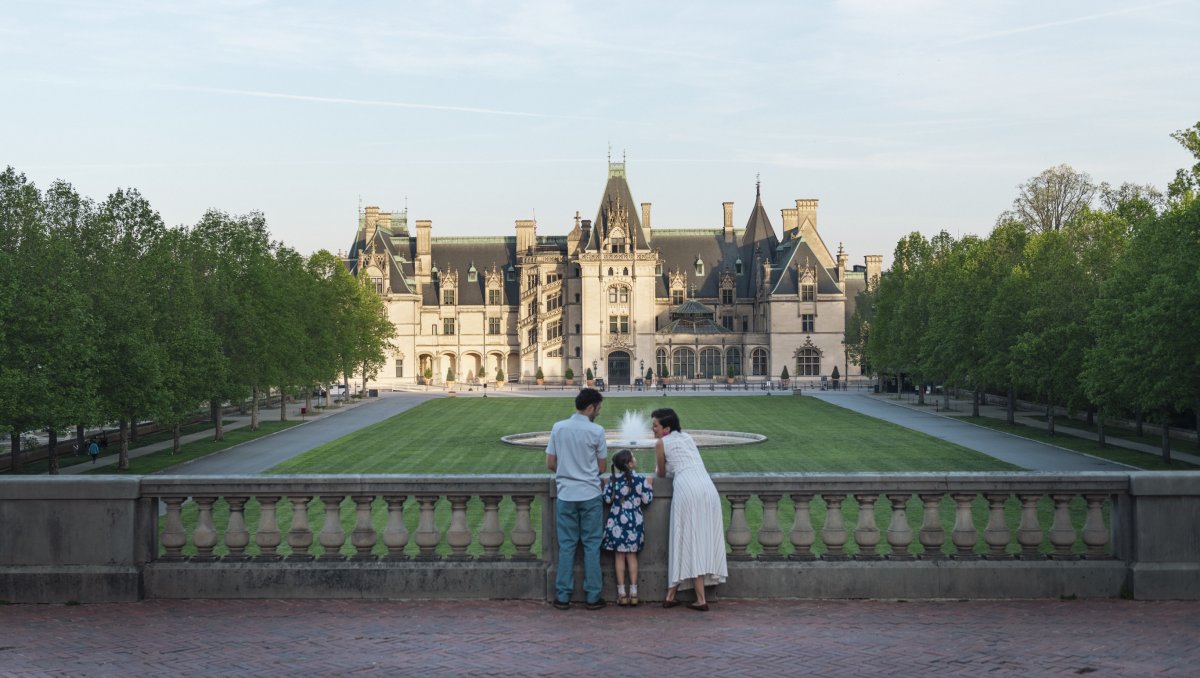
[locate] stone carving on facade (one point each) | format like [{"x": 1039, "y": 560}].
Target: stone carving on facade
[
  {"x": 807, "y": 346},
  {"x": 619, "y": 342}
]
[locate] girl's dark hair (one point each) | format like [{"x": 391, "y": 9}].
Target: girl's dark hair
[
  {"x": 667, "y": 418},
  {"x": 620, "y": 462}
]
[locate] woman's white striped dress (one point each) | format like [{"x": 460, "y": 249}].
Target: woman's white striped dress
[{"x": 697, "y": 533}]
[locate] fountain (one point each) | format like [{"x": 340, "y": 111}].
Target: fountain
[{"x": 634, "y": 432}]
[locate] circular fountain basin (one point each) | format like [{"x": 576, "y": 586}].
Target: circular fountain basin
[{"x": 703, "y": 437}]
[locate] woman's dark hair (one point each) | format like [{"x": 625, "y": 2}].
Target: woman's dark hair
[
  {"x": 620, "y": 462},
  {"x": 667, "y": 418}
]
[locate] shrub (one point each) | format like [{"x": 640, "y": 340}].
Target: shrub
[
  {"x": 428, "y": 373},
  {"x": 569, "y": 374},
  {"x": 499, "y": 374},
  {"x": 729, "y": 372},
  {"x": 539, "y": 374},
  {"x": 835, "y": 375},
  {"x": 784, "y": 374},
  {"x": 449, "y": 374},
  {"x": 649, "y": 373},
  {"x": 588, "y": 374}
]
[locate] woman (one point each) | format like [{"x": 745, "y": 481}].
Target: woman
[{"x": 696, "y": 553}]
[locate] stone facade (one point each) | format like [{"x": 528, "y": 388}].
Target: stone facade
[{"x": 614, "y": 296}]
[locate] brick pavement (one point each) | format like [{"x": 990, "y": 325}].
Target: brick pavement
[{"x": 815, "y": 638}]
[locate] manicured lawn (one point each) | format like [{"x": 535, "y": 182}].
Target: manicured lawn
[
  {"x": 157, "y": 461},
  {"x": 462, "y": 435}
]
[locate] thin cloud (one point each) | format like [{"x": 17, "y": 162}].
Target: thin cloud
[
  {"x": 376, "y": 102},
  {"x": 1054, "y": 24}
]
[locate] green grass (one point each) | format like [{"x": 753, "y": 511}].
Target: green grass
[
  {"x": 1111, "y": 431},
  {"x": 1141, "y": 460},
  {"x": 454, "y": 435},
  {"x": 462, "y": 435},
  {"x": 158, "y": 461},
  {"x": 66, "y": 458}
]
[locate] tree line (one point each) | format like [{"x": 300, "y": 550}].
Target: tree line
[
  {"x": 1085, "y": 296},
  {"x": 108, "y": 315}
]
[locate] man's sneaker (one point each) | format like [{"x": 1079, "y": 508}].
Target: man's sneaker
[
  {"x": 562, "y": 604},
  {"x": 598, "y": 605}
]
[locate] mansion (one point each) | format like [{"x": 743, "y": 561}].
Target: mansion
[{"x": 614, "y": 296}]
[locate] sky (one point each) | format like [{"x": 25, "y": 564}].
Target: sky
[{"x": 898, "y": 115}]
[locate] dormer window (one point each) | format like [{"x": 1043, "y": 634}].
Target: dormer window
[
  {"x": 738, "y": 266},
  {"x": 699, "y": 266},
  {"x": 510, "y": 273},
  {"x": 618, "y": 245},
  {"x": 448, "y": 298},
  {"x": 472, "y": 274}
]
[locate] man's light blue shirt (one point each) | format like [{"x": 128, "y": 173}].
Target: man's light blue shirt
[{"x": 579, "y": 445}]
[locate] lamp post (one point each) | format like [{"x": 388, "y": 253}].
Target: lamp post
[
  {"x": 595, "y": 368},
  {"x": 642, "y": 373}
]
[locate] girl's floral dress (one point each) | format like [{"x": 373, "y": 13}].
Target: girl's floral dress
[{"x": 624, "y": 530}]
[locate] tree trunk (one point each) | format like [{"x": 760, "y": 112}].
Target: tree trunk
[
  {"x": 945, "y": 398},
  {"x": 976, "y": 396},
  {"x": 254, "y": 408},
  {"x": 1091, "y": 415},
  {"x": 1011, "y": 413},
  {"x": 176, "y": 434},
  {"x": 218, "y": 416},
  {"x": 1050, "y": 415},
  {"x": 133, "y": 432},
  {"x": 123, "y": 455},
  {"x": 920, "y": 394},
  {"x": 14, "y": 458},
  {"x": 52, "y": 452},
  {"x": 79, "y": 444},
  {"x": 1166, "y": 442},
  {"x": 1100, "y": 427},
  {"x": 282, "y": 405},
  {"x": 308, "y": 400},
  {"x": 1137, "y": 423}
]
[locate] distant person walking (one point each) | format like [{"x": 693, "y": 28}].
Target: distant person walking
[
  {"x": 93, "y": 449},
  {"x": 696, "y": 550},
  {"x": 578, "y": 454}
]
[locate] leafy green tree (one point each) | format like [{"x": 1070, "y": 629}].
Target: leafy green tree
[{"x": 1186, "y": 185}]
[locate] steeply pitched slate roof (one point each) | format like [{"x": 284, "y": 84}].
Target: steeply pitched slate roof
[
  {"x": 783, "y": 269},
  {"x": 758, "y": 227},
  {"x": 680, "y": 249},
  {"x": 616, "y": 194},
  {"x": 459, "y": 254}
]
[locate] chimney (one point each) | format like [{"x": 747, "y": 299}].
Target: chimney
[
  {"x": 791, "y": 220},
  {"x": 842, "y": 258},
  {"x": 526, "y": 235},
  {"x": 806, "y": 209},
  {"x": 646, "y": 223},
  {"x": 874, "y": 263},
  {"x": 424, "y": 228},
  {"x": 370, "y": 217},
  {"x": 728, "y": 221}
]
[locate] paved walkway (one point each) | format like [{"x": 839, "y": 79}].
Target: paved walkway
[
  {"x": 752, "y": 638},
  {"x": 1027, "y": 454}
]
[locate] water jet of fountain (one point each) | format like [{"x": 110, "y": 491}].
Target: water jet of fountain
[{"x": 634, "y": 429}]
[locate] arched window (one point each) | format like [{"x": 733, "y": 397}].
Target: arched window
[
  {"x": 610, "y": 271},
  {"x": 660, "y": 361},
  {"x": 733, "y": 358},
  {"x": 808, "y": 363},
  {"x": 710, "y": 363},
  {"x": 684, "y": 363},
  {"x": 625, "y": 271},
  {"x": 758, "y": 362}
]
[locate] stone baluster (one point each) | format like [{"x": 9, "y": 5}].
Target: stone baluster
[
  {"x": 268, "y": 537},
  {"x": 332, "y": 534},
  {"x": 899, "y": 534},
  {"x": 769, "y": 534},
  {"x": 932, "y": 535},
  {"x": 491, "y": 537},
  {"x": 395, "y": 534},
  {"x": 738, "y": 534},
  {"x": 522, "y": 535},
  {"x": 1062, "y": 533},
  {"x": 866, "y": 533},
  {"x": 174, "y": 537},
  {"x": 1029, "y": 532},
  {"x": 363, "y": 536},
  {"x": 802, "y": 536},
  {"x": 427, "y": 535},
  {"x": 300, "y": 536},
  {"x": 205, "y": 534},
  {"x": 237, "y": 537},
  {"x": 834, "y": 532},
  {"x": 1095, "y": 535},
  {"x": 996, "y": 535},
  {"x": 459, "y": 535},
  {"x": 964, "y": 535}
]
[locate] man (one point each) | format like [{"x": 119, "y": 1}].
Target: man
[{"x": 578, "y": 454}]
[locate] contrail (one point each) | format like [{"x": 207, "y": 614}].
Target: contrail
[{"x": 1052, "y": 24}]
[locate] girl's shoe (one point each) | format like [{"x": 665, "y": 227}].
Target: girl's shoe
[
  {"x": 633, "y": 601},
  {"x": 623, "y": 601}
]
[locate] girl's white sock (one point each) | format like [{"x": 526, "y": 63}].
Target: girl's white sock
[
  {"x": 621, "y": 590},
  {"x": 633, "y": 590}
]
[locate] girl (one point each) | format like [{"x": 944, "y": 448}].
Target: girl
[{"x": 623, "y": 533}]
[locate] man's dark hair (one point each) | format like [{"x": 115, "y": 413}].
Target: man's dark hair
[
  {"x": 667, "y": 418},
  {"x": 587, "y": 397}
]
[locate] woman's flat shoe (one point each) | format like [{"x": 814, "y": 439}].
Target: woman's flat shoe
[
  {"x": 671, "y": 603},
  {"x": 702, "y": 607}
]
